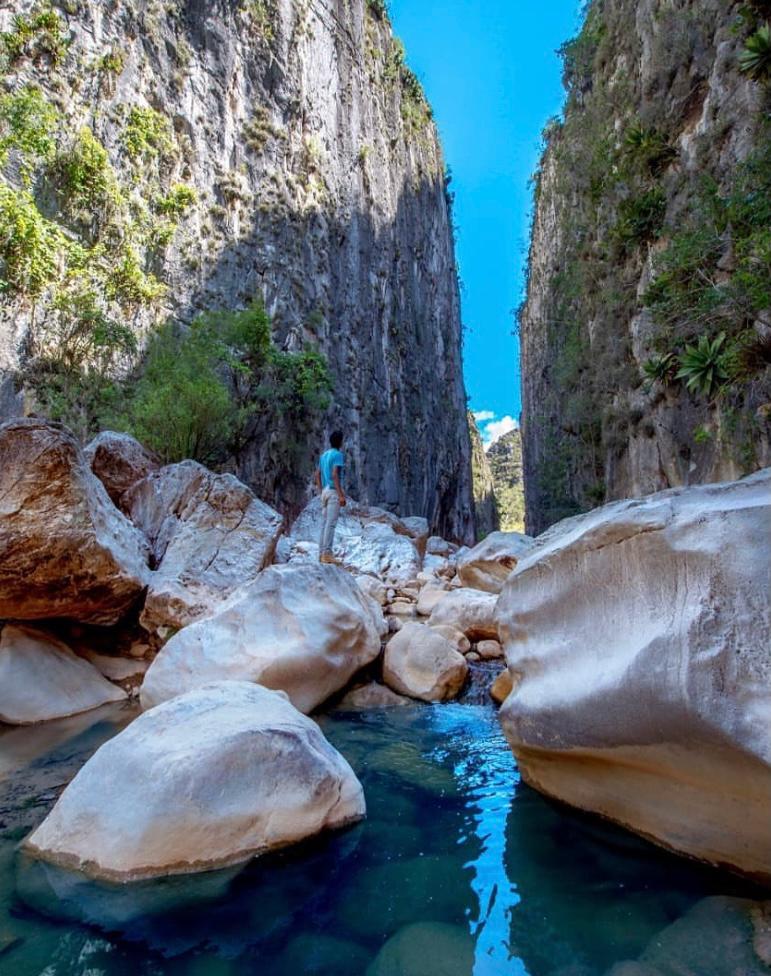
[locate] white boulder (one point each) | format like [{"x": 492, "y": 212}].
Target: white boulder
[
  {"x": 640, "y": 637},
  {"x": 421, "y": 663},
  {"x": 305, "y": 629},
  {"x": 209, "y": 535},
  {"x": 204, "y": 781},
  {"x": 488, "y": 564},
  {"x": 119, "y": 461},
  {"x": 42, "y": 679},
  {"x": 470, "y": 611},
  {"x": 372, "y": 695}
]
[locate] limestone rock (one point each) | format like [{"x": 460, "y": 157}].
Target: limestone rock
[
  {"x": 436, "y": 546},
  {"x": 119, "y": 461},
  {"x": 487, "y": 565},
  {"x": 65, "y": 550},
  {"x": 438, "y": 566},
  {"x": 206, "y": 780},
  {"x": 209, "y": 535},
  {"x": 402, "y": 608},
  {"x": 457, "y": 638},
  {"x": 373, "y": 695},
  {"x": 489, "y": 650},
  {"x": 42, "y": 679},
  {"x": 642, "y": 637},
  {"x": 430, "y": 595},
  {"x": 305, "y": 629},
  {"x": 419, "y": 662},
  {"x": 470, "y": 611},
  {"x": 115, "y": 668},
  {"x": 418, "y": 530},
  {"x": 501, "y": 688},
  {"x": 367, "y": 541},
  {"x": 373, "y": 588}
]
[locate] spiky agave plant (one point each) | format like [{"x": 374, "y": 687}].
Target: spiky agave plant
[
  {"x": 755, "y": 59},
  {"x": 661, "y": 369},
  {"x": 704, "y": 366}
]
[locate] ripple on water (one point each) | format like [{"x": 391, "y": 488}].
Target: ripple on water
[{"x": 459, "y": 870}]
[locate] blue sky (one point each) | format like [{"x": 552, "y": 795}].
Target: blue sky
[{"x": 490, "y": 71}]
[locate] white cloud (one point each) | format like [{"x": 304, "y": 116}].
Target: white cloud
[
  {"x": 481, "y": 416},
  {"x": 496, "y": 429}
]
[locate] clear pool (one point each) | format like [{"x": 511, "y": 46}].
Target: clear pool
[{"x": 458, "y": 870}]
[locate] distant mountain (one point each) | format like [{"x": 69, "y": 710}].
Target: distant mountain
[
  {"x": 485, "y": 509},
  {"x": 505, "y": 460}
]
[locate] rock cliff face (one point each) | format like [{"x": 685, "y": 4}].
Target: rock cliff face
[
  {"x": 645, "y": 332},
  {"x": 277, "y": 149},
  {"x": 505, "y": 459},
  {"x": 485, "y": 507}
]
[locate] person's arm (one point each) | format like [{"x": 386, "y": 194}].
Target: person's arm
[
  {"x": 336, "y": 479},
  {"x": 317, "y": 477}
]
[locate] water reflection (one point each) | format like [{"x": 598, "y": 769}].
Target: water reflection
[{"x": 459, "y": 870}]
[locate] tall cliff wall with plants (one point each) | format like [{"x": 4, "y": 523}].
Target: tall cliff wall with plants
[
  {"x": 646, "y": 330},
  {"x": 269, "y": 172}
]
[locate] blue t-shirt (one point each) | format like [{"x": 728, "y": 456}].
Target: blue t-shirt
[{"x": 331, "y": 459}]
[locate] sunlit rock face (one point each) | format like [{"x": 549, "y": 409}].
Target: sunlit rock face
[
  {"x": 639, "y": 639},
  {"x": 304, "y": 629},
  {"x": 488, "y": 564},
  {"x": 424, "y": 664},
  {"x": 119, "y": 461},
  {"x": 65, "y": 550},
  {"x": 206, "y": 780}
]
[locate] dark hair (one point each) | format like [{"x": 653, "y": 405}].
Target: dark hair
[{"x": 336, "y": 439}]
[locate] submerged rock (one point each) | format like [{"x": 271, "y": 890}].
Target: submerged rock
[
  {"x": 372, "y": 695},
  {"x": 305, "y": 629},
  {"x": 368, "y": 541},
  {"x": 421, "y": 663},
  {"x": 488, "y": 564},
  {"x": 42, "y": 679},
  {"x": 119, "y": 461},
  {"x": 209, "y": 535},
  {"x": 65, "y": 550},
  {"x": 426, "y": 949},
  {"x": 470, "y": 611},
  {"x": 207, "y": 780},
  {"x": 641, "y": 636}
]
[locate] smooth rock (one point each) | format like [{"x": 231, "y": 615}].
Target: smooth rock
[
  {"x": 426, "y": 949},
  {"x": 367, "y": 541},
  {"x": 470, "y": 611},
  {"x": 418, "y": 530},
  {"x": 488, "y": 565},
  {"x": 395, "y": 624},
  {"x": 42, "y": 679},
  {"x": 65, "y": 550},
  {"x": 119, "y": 461},
  {"x": 373, "y": 695},
  {"x": 401, "y": 608},
  {"x": 206, "y": 780},
  {"x": 438, "y": 566},
  {"x": 457, "y": 638},
  {"x": 641, "y": 633},
  {"x": 473, "y": 656},
  {"x": 303, "y": 628},
  {"x": 419, "y": 662},
  {"x": 115, "y": 668},
  {"x": 502, "y": 687},
  {"x": 430, "y": 595},
  {"x": 436, "y": 546},
  {"x": 489, "y": 650},
  {"x": 373, "y": 588},
  {"x": 209, "y": 535}
]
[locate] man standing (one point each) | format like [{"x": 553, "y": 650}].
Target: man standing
[{"x": 329, "y": 475}]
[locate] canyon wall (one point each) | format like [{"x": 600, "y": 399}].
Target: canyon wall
[
  {"x": 277, "y": 150},
  {"x": 646, "y": 330}
]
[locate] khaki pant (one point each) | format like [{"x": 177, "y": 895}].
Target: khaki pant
[{"x": 330, "y": 513}]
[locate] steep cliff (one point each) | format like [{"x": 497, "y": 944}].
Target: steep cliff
[
  {"x": 646, "y": 331},
  {"x": 164, "y": 159},
  {"x": 504, "y": 457},
  {"x": 485, "y": 507}
]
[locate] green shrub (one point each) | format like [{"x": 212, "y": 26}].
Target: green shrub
[
  {"x": 262, "y": 14},
  {"x": 86, "y": 179},
  {"x": 35, "y": 34},
  {"x": 641, "y": 218},
  {"x": 661, "y": 369},
  {"x": 147, "y": 134},
  {"x": 378, "y": 8},
  {"x": 179, "y": 199},
  {"x": 649, "y": 148},
  {"x": 755, "y": 59},
  {"x": 27, "y": 124},
  {"x": 113, "y": 62},
  {"x": 703, "y": 367},
  {"x": 31, "y": 247},
  {"x": 128, "y": 284}
]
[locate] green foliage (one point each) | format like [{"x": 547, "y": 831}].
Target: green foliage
[
  {"x": 641, "y": 218},
  {"x": 394, "y": 60},
  {"x": 31, "y": 247},
  {"x": 35, "y": 34},
  {"x": 703, "y": 367},
  {"x": 649, "y": 148},
  {"x": 147, "y": 134},
  {"x": 87, "y": 181},
  {"x": 128, "y": 284},
  {"x": 28, "y": 125},
  {"x": 755, "y": 59},
  {"x": 178, "y": 200},
  {"x": 262, "y": 14},
  {"x": 113, "y": 62},
  {"x": 578, "y": 55},
  {"x": 378, "y": 8},
  {"x": 661, "y": 369}
]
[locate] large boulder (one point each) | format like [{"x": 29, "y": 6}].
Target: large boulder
[
  {"x": 42, "y": 679},
  {"x": 368, "y": 541},
  {"x": 470, "y": 611},
  {"x": 421, "y": 663},
  {"x": 209, "y": 535},
  {"x": 65, "y": 550},
  {"x": 119, "y": 462},
  {"x": 488, "y": 564},
  {"x": 204, "y": 781},
  {"x": 305, "y": 629},
  {"x": 640, "y": 638}
]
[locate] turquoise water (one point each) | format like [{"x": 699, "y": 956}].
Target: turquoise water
[{"x": 461, "y": 869}]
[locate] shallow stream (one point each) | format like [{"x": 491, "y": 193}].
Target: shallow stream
[{"x": 475, "y": 873}]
